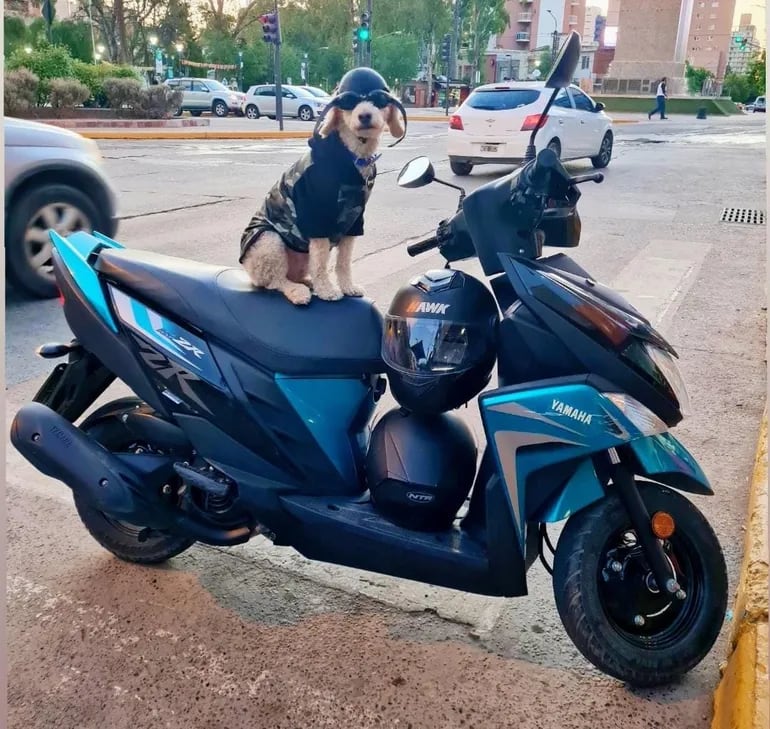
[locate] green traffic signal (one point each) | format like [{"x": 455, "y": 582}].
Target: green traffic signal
[{"x": 363, "y": 34}]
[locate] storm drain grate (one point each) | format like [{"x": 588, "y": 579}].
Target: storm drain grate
[{"x": 743, "y": 215}]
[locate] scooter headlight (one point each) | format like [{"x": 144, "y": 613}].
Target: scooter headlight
[
  {"x": 643, "y": 418},
  {"x": 661, "y": 369}
]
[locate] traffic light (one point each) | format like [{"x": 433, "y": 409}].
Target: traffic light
[
  {"x": 364, "y": 31},
  {"x": 271, "y": 31},
  {"x": 446, "y": 48}
]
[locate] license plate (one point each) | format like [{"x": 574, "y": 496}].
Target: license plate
[{"x": 489, "y": 147}]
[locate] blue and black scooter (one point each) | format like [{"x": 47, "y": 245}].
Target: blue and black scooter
[{"x": 253, "y": 416}]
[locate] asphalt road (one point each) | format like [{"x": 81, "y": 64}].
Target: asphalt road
[{"x": 258, "y": 637}]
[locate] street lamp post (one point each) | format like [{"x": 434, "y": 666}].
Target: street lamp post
[
  {"x": 555, "y": 43},
  {"x": 180, "y": 50},
  {"x": 99, "y": 53}
]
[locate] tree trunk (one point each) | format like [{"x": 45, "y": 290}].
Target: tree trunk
[
  {"x": 120, "y": 30},
  {"x": 429, "y": 75}
]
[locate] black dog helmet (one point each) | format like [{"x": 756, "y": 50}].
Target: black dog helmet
[{"x": 362, "y": 84}]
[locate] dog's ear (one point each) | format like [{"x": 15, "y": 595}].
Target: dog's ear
[
  {"x": 330, "y": 122},
  {"x": 394, "y": 121}
]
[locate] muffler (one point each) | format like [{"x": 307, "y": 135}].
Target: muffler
[{"x": 58, "y": 449}]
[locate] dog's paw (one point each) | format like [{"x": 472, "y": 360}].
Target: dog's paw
[
  {"x": 327, "y": 292},
  {"x": 298, "y": 294},
  {"x": 353, "y": 290}
]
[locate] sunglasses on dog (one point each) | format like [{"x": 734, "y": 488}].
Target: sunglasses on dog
[{"x": 350, "y": 100}]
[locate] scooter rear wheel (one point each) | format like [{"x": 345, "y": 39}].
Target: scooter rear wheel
[
  {"x": 128, "y": 542},
  {"x": 610, "y": 604}
]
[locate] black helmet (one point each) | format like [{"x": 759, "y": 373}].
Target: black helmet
[
  {"x": 420, "y": 468},
  {"x": 439, "y": 342},
  {"x": 362, "y": 84}
]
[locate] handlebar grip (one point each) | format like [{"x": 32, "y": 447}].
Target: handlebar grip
[
  {"x": 422, "y": 245},
  {"x": 593, "y": 177}
]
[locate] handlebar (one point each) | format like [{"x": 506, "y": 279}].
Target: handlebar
[
  {"x": 423, "y": 245},
  {"x": 593, "y": 177}
]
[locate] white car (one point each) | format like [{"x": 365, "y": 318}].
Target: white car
[
  {"x": 298, "y": 101},
  {"x": 493, "y": 126}
]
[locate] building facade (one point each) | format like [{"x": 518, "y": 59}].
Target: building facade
[
  {"x": 710, "y": 35},
  {"x": 592, "y": 12},
  {"x": 744, "y": 45}
]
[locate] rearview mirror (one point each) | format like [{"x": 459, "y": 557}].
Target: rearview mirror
[
  {"x": 416, "y": 173},
  {"x": 599, "y": 106},
  {"x": 566, "y": 63}
]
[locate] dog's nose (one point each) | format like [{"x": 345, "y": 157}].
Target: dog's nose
[{"x": 365, "y": 118}]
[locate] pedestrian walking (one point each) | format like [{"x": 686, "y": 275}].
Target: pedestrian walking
[{"x": 660, "y": 97}]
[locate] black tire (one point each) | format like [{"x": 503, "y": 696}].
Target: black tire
[
  {"x": 305, "y": 113},
  {"x": 252, "y": 112},
  {"x": 196, "y": 113},
  {"x": 598, "y": 606},
  {"x": 605, "y": 152},
  {"x": 555, "y": 146},
  {"x": 178, "y": 112},
  {"x": 461, "y": 169},
  {"x": 27, "y": 247},
  {"x": 219, "y": 108},
  {"x": 119, "y": 537}
]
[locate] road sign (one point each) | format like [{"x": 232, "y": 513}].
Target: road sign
[{"x": 159, "y": 62}]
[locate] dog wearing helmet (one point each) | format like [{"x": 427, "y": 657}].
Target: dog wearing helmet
[{"x": 318, "y": 204}]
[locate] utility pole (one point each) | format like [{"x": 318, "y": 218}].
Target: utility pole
[
  {"x": 368, "y": 43},
  {"x": 455, "y": 40},
  {"x": 555, "y": 47}
]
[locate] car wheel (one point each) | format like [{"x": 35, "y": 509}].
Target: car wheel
[
  {"x": 461, "y": 169},
  {"x": 252, "y": 112},
  {"x": 271, "y": 116},
  {"x": 28, "y": 247},
  {"x": 196, "y": 113},
  {"x": 220, "y": 108},
  {"x": 605, "y": 152},
  {"x": 555, "y": 146},
  {"x": 178, "y": 112},
  {"x": 305, "y": 113}
]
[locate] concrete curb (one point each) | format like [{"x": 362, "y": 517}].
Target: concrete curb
[
  {"x": 741, "y": 698},
  {"x": 194, "y": 134}
]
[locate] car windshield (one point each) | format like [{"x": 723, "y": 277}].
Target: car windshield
[
  {"x": 316, "y": 91},
  {"x": 215, "y": 84},
  {"x": 501, "y": 99}
]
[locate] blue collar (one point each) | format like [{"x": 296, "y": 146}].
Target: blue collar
[{"x": 364, "y": 161}]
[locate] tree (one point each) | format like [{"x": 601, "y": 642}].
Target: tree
[
  {"x": 756, "y": 73},
  {"x": 396, "y": 57},
  {"x": 696, "y": 77},
  {"x": 76, "y": 36},
  {"x": 738, "y": 87},
  {"x": 545, "y": 62},
  {"x": 481, "y": 20}
]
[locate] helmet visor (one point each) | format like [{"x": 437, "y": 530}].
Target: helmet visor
[{"x": 426, "y": 345}]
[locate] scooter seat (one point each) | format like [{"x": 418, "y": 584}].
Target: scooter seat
[{"x": 323, "y": 338}]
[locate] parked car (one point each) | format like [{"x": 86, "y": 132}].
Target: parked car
[
  {"x": 54, "y": 179},
  {"x": 298, "y": 101},
  {"x": 493, "y": 126},
  {"x": 760, "y": 104},
  {"x": 205, "y": 94}
]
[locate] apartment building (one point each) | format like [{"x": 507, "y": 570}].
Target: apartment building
[
  {"x": 744, "y": 45},
  {"x": 592, "y": 12},
  {"x": 710, "y": 35},
  {"x": 533, "y": 22}
]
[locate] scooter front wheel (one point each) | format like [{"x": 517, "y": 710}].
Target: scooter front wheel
[{"x": 610, "y": 604}]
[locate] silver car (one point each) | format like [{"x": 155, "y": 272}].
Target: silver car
[
  {"x": 298, "y": 101},
  {"x": 54, "y": 179},
  {"x": 205, "y": 94}
]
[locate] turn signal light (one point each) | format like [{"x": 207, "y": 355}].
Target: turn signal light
[
  {"x": 663, "y": 525},
  {"x": 531, "y": 122},
  {"x": 456, "y": 122}
]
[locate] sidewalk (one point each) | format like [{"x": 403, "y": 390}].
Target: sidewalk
[{"x": 741, "y": 699}]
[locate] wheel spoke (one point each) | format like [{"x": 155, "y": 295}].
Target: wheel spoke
[
  {"x": 71, "y": 220},
  {"x": 50, "y": 215},
  {"x": 42, "y": 257},
  {"x": 36, "y": 235}
]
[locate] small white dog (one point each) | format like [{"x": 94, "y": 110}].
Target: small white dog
[{"x": 319, "y": 201}]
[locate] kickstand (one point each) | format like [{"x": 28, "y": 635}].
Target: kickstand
[{"x": 545, "y": 540}]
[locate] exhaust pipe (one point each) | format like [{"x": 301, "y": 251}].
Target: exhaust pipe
[{"x": 58, "y": 449}]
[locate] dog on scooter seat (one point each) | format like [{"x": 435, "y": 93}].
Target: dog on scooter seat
[{"x": 318, "y": 204}]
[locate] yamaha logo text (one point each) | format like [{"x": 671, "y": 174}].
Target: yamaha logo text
[{"x": 571, "y": 412}]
